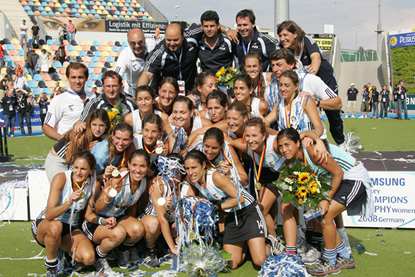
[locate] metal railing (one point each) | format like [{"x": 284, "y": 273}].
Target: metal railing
[{"x": 359, "y": 56}]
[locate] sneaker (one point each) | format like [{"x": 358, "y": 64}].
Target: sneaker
[
  {"x": 345, "y": 263},
  {"x": 52, "y": 272},
  {"x": 31, "y": 134},
  {"x": 361, "y": 116},
  {"x": 311, "y": 256},
  {"x": 102, "y": 266},
  {"x": 151, "y": 260},
  {"x": 303, "y": 247},
  {"x": 123, "y": 258},
  {"x": 134, "y": 258},
  {"x": 24, "y": 135},
  {"x": 323, "y": 268},
  {"x": 346, "y": 116},
  {"x": 352, "y": 115},
  {"x": 276, "y": 246},
  {"x": 12, "y": 136}
]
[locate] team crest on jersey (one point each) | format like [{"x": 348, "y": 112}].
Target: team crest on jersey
[{"x": 222, "y": 47}]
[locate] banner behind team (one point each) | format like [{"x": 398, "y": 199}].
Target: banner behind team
[
  {"x": 401, "y": 40},
  {"x": 394, "y": 201}
]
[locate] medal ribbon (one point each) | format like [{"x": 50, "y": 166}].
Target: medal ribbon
[
  {"x": 76, "y": 183},
  {"x": 123, "y": 158},
  {"x": 148, "y": 151},
  {"x": 261, "y": 162}
]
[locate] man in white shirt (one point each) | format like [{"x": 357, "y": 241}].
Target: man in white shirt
[
  {"x": 21, "y": 82},
  {"x": 23, "y": 33},
  {"x": 66, "y": 108},
  {"x": 132, "y": 59}
]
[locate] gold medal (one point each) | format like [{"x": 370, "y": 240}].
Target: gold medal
[
  {"x": 159, "y": 150},
  {"x": 161, "y": 201},
  {"x": 82, "y": 196},
  {"x": 115, "y": 173},
  {"x": 258, "y": 186}
]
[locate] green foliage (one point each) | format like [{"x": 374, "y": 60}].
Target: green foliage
[{"x": 404, "y": 67}]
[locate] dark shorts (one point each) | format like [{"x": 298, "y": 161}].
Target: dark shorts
[
  {"x": 351, "y": 193},
  {"x": 89, "y": 228},
  {"x": 65, "y": 229},
  {"x": 251, "y": 224}
]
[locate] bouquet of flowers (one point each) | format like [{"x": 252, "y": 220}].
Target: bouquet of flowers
[
  {"x": 115, "y": 114},
  {"x": 301, "y": 187},
  {"x": 226, "y": 77}
]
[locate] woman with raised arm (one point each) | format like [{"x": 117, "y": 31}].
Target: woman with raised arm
[
  {"x": 97, "y": 129},
  {"x": 57, "y": 225},
  {"x": 351, "y": 190},
  {"x": 247, "y": 227}
]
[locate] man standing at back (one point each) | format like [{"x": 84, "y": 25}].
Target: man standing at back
[
  {"x": 215, "y": 49},
  {"x": 174, "y": 57},
  {"x": 352, "y": 93},
  {"x": 133, "y": 59},
  {"x": 66, "y": 108},
  {"x": 23, "y": 33},
  {"x": 35, "y": 34},
  {"x": 71, "y": 31},
  {"x": 250, "y": 40}
]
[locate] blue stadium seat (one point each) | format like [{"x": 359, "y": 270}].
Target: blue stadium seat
[
  {"x": 30, "y": 13},
  {"x": 61, "y": 10},
  {"x": 98, "y": 54},
  {"x": 91, "y": 65},
  {"x": 64, "y": 5},
  {"x": 117, "y": 13},
  {"x": 32, "y": 84},
  {"x": 7, "y": 58},
  {"x": 74, "y": 10},
  {"x": 115, "y": 49},
  {"x": 46, "y": 90},
  {"x": 25, "y": 71},
  {"x": 90, "y": 71},
  {"x": 125, "y": 44},
  {"x": 49, "y": 42},
  {"x": 31, "y": 3},
  {"x": 77, "y": 15},
  {"x": 51, "y": 14},
  {"x": 110, "y": 59},
  {"x": 9, "y": 47},
  {"x": 37, "y": 77},
  {"x": 57, "y": 65},
  {"x": 36, "y": 91},
  {"x": 27, "y": 8},
  {"x": 97, "y": 16},
  {"x": 121, "y": 17},
  {"x": 96, "y": 43},
  {"x": 21, "y": 53},
  {"x": 95, "y": 59},
  {"x": 44, "y": 4},
  {"x": 76, "y": 6},
  {"x": 86, "y": 11},
  {"x": 122, "y": 48},
  {"x": 82, "y": 53},
  {"x": 70, "y": 48},
  {"x": 89, "y": 83}
]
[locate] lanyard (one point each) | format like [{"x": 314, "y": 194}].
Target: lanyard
[
  {"x": 261, "y": 162},
  {"x": 246, "y": 49},
  {"x": 288, "y": 119},
  {"x": 180, "y": 62}
]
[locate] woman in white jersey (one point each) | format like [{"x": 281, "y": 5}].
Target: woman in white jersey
[
  {"x": 294, "y": 111},
  {"x": 205, "y": 83},
  {"x": 168, "y": 92},
  {"x": 57, "y": 226},
  {"x": 243, "y": 91},
  {"x": 146, "y": 102},
  {"x": 351, "y": 190},
  {"x": 247, "y": 227},
  {"x": 260, "y": 80},
  {"x": 110, "y": 220},
  {"x": 60, "y": 156}
]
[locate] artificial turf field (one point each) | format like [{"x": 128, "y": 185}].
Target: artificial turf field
[{"x": 384, "y": 252}]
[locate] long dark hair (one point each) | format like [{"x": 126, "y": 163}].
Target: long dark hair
[{"x": 292, "y": 27}]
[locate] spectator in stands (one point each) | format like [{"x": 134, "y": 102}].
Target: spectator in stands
[
  {"x": 4, "y": 85},
  {"x": 375, "y": 102},
  {"x": 250, "y": 40},
  {"x": 365, "y": 101},
  {"x": 23, "y": 33},
  {"x": 23, "y": 111},
  {"x": 2, "y": 62},
  {"x": 21, "y": 81},
  {"x": 174, "y": 57},
  {"x": 112, "y": 88},
  {"x": 400, "y": 96},
  {"x": 215, "y": 49},
  {"x": 62, "y": 31},
  {"x": 43, "y": 103},
  {"x": 9, "y": 103},
  {"x": 385, "y": 97},
  {"x": 94, "y": 90},
  {"x": 71, "y": 31},
  {"x": 133, "y": 59},
  {"x": 66, "y": 108},
  {"x": 44, "y": 62},
  {"x": 157, "y": 34},
  {"x": 58, "y": 89},
  {"x": 352, "y": 93},
  {"x": 32, "y": 62},
  {"x": 11, "y": 71},
  {"x": 35, "y": 34},
  {"x": 61, "y": 53}
]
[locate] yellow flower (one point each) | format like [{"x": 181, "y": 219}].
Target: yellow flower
[
  {"x": 222, "y": 70},
  {"x": 313, "y": 187},
  {"x": 304, "y": 178},
  {"x": 302, "y": 191},
  {"x": 111, "y": 114},
  {"x": 218, "y": 73}
]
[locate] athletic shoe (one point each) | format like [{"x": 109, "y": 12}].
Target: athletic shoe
[
  {"x": 102, "y": 266},
  {"x": 311, "y": 257},
  {"x": 276, "y": 246},
  {"x": 134, "y": 258},
  {"x": 323, "y": 268},
  {"x": 346, "y": 116},
  {"x": 361, "y": 116},
  {"x": 151, "y": 260},
  {"x": 345, "y": 263},
  {"x": 303, "y": 247},
  {"x": 12, "y": 136},
  {"x": 123, "y": 258},
  {"x": 52, "y": 272},
  {"x": 352, "y": 115}
]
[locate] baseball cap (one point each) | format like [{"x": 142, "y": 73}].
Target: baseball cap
[{"x": 352, "y": 84}]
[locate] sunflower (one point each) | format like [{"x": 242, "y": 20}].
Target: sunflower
[
  {"x": 304, "y": 178},
  {"x": 313, "y": 187},
  {"x": 302, "y": 191}
]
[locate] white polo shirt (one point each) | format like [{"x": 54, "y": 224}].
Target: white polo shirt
[
  {"x": 64, "y": 110},
  {"x": 133, "y": 66}
]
